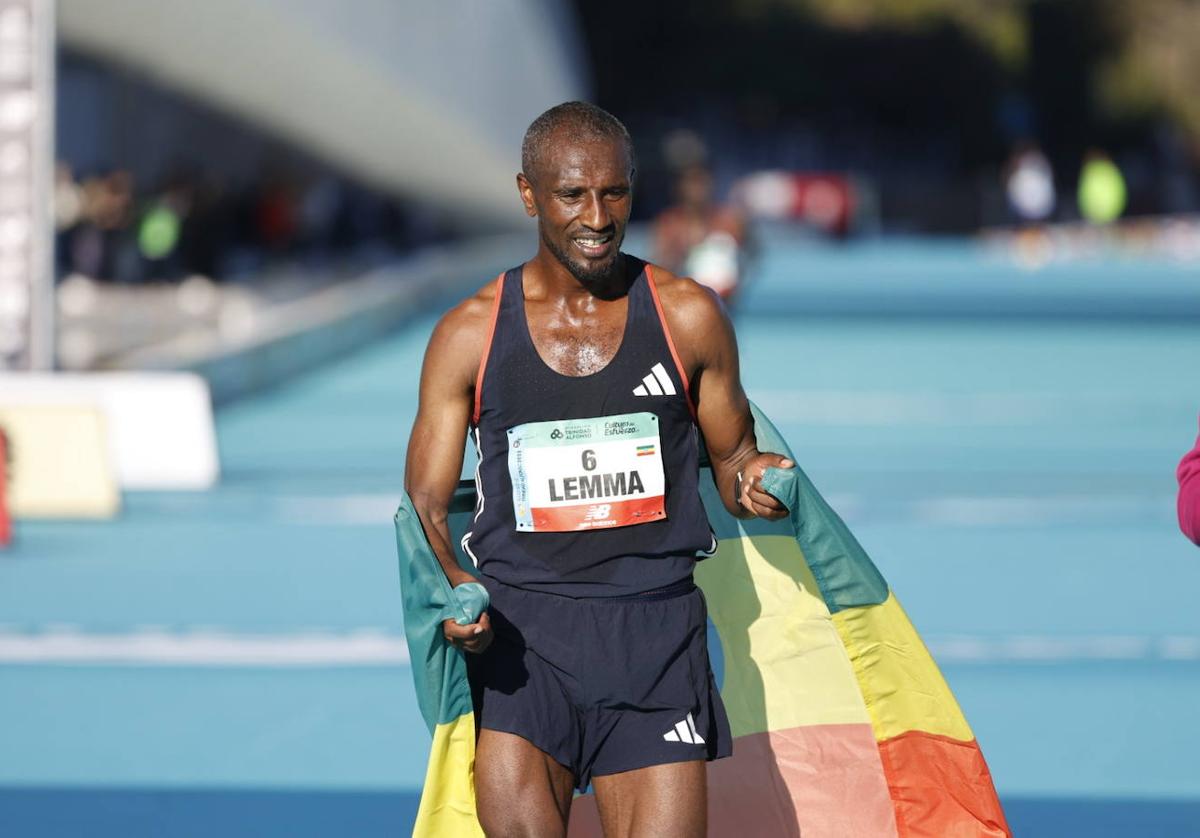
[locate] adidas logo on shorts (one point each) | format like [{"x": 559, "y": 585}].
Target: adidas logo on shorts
[
  {"x": 657, "y": 383},
  {"x": 684, "y": 731}
]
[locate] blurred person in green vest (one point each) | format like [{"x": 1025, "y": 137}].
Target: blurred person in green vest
[{"x": 1102, "y": 192}]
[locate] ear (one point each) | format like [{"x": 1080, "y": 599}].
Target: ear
[{"x": 525, "y": 189}]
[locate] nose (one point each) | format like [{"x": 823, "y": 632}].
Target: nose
[{"x": 594, "y": 214}]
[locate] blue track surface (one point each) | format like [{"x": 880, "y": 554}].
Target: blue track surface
[{"x": 1013, "y": 479}]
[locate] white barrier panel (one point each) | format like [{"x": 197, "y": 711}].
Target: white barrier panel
[
  {"x": 60, "y": 462},
  {"x": 159, "y": 425}
]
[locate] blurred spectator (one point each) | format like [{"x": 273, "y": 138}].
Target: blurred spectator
[
  {"x": 94, "y": 238},
  {"x": 1189, "y": 494},
  {"x": 276, "y": 213},
  {"x": 194, "y": 225},
  {"x": 160, "y": 229},
  {"x": 700, "y": 238},
  {"x": 1029, "y": 184},
  {"x": 1102, "y": 192},
  {"x": 207, "y": 230}
]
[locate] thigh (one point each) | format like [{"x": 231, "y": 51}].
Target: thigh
[
  {"x": 520, "y": 790},
  {"x": 660, "y": 800}
]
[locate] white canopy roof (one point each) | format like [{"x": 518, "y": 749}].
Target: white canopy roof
[{"x": 426, "y": 100}]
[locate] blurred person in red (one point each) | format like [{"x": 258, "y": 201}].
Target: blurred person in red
[
  {"x": 701, "y": 238},
  {"x": 1189, "y": 493}
]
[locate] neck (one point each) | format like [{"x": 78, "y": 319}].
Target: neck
[{"x": 554, "y": 279}]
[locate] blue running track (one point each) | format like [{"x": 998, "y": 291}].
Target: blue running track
[{"x": 1012, "y": 476}]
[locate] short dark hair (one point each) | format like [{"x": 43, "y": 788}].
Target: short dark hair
[{"x": 580, "y": 120}]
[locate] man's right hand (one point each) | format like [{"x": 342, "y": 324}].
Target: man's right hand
[{"x": 473, "y": 637}]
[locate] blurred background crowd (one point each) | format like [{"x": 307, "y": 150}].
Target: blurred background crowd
[
  {"x": 849, "y": 116},
  {"x": 172, "y": 189}
]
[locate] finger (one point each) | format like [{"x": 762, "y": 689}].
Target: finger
[
  {"x": 767, "y": 460},
  {"x": 770, "y": 513},
  {"x": 478, "y": 643},
  {"x": 757, "y": 481},
  {"x": 763, "y": 498},
  {"x": 767, "y": 506},
  {"x": 484, "y": 624},
  {"x": 454, "y": 631}
]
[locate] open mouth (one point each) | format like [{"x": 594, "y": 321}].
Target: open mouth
[{"x": 594, "y": 246}]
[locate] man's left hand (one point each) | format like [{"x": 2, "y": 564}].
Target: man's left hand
[{"x": 753, "y": 498}]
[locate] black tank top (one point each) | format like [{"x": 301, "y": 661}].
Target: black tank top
[{"x": 605, "y": 465}]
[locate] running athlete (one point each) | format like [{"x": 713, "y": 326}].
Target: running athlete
[{"x": 582, "y": 377}]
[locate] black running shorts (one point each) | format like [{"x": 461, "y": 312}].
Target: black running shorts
[{"x": 602, "y": 685}]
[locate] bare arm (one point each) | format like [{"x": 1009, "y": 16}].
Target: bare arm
[
  {"x": 708, "y": 346},
  {"x": 435, "y": 447}
]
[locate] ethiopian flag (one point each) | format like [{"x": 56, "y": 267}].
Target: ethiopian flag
[{"x": 842, "y": 723}]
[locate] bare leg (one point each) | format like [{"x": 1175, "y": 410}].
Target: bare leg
[
  {"x": 663, "y": 801},
  {"x": 519, "y": 790}
]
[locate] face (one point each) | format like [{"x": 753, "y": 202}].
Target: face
[{"x": 581, "y": 196}]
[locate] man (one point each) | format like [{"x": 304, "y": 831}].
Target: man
[{"x": 582, "y": 376}]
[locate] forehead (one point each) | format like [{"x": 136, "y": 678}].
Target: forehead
[{"x": 584, "y": 159}]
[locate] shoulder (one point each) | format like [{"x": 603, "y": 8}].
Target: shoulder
[
  {"x": 474, "y": 314},
  {"x": 459, "y": 338},
  {"x": 696, "y": 319},
  {"x": 690, "y": 308}
]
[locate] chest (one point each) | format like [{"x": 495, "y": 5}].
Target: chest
[{"x": 577, "y": 343}]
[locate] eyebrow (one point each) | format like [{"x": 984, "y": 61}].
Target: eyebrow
[{"x": 580, "y": 187}]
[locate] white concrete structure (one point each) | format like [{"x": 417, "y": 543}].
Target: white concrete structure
[
  {"x": 159, "y": 425},
  {"x": 427, "y": 100}
]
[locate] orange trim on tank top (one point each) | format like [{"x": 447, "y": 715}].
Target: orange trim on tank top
[
  {"x": 662, "y": 318},
  {"x": 487, "y": 349}
]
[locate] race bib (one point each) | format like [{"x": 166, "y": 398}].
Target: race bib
[{"x": 580, "y": 474}]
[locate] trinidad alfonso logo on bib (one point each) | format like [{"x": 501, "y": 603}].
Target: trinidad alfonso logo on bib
[{"x": 582, "y": 474}]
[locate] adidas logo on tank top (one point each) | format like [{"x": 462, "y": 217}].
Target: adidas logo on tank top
[{"x": 657, "y": 383}]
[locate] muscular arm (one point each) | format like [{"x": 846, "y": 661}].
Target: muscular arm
[
  {"x": 435, "y": 447},
  {"x": 708, "y": 348}
]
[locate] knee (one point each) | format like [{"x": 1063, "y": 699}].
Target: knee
[
  {"x": 519, "y": 791},
  {"x": 513, "y": 818}
]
